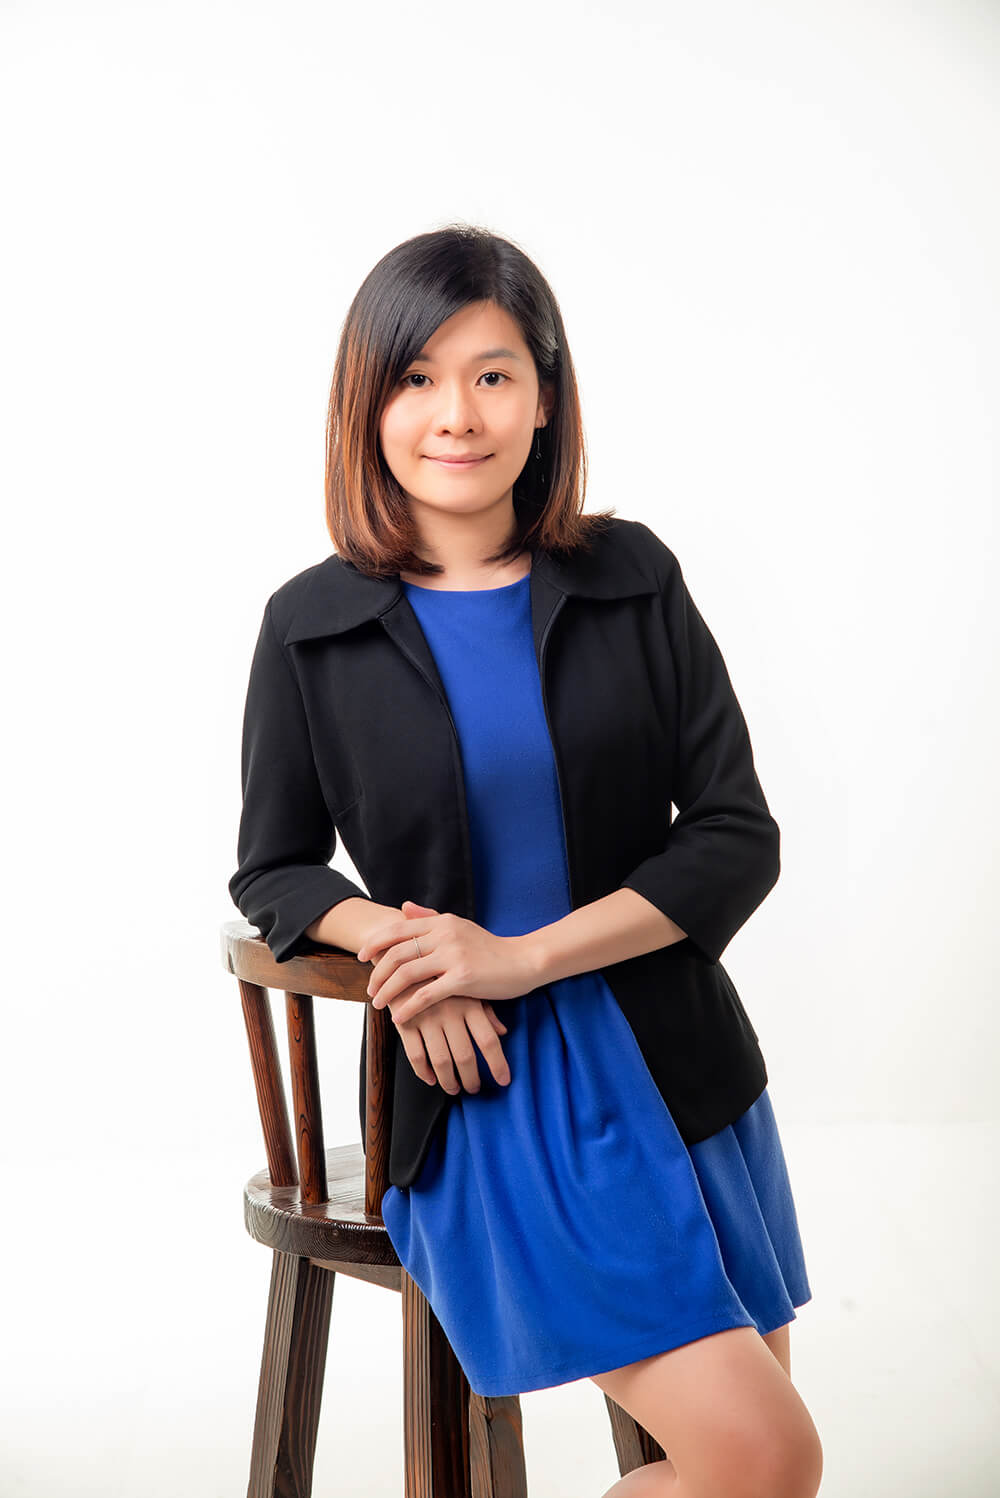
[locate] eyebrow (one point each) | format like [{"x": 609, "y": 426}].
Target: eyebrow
[{"x": 487, "y": 353}]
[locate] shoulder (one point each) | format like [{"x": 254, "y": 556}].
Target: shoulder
[
  {"x": 638, "y": 541},
  {"x": 288, "y": 599}
]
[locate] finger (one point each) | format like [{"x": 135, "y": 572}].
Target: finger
[
  {"x": 440, "y": 1057},
  {"x": 405, "y": 1011},
  {"x": 463, "y": 1052},
  {"x": 416, "y": 1000},
  {"x": 407, "y": 973},
  {"x": 403, "y": 962},
  {"x": 489, "y": 1043},
  {"x": 413, "y": 1045},
  {"x": 494, "y": 1018},
  {"x": 375, "y": 942},
  {"x": 399, "y": 934}
]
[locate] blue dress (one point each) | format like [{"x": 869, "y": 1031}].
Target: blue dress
[{"x": 559, "y": 1225}]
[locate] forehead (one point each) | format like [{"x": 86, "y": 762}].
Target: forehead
[{"x": 478, "y": 331}]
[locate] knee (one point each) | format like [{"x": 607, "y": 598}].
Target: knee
[{"x": 790, "y": 1465}]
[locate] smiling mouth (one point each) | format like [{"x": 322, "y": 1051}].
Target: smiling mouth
[{"x": 461, "y": 462}]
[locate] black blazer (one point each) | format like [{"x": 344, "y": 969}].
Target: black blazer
[{"x": 347, "y": 730}]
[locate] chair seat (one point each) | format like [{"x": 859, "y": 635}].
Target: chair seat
[{"x": 337, "y": 1232}]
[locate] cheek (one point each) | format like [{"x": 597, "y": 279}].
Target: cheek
[
  {"x": 396, "y": 433},
  {"x": 514, "y": 425}
]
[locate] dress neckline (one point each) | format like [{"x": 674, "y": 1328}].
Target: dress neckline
[{"x": 467, "y": 592}]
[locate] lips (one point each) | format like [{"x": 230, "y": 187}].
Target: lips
[{"x": 461, "y": 462}]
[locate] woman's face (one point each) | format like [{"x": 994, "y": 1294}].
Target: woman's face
[{"x": 473, "y": 393}]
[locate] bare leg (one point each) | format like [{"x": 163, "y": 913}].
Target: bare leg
[
  {"x": 679, "y": 1392},
  {"x": 658, "y": 1479},
  {"x": 654, "y": 1480},
  {"x": 779, "y": 1342}
]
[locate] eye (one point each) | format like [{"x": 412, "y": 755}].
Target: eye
[{"x": 416, "y": 375}]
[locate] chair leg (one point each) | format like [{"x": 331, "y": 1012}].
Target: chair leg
[
  {"x": 496, "y": 1436},
  {"x": 634, "y": 1446},
  {"x": 435, "y": 1404},
  {"x": 292, "y": 1365}
]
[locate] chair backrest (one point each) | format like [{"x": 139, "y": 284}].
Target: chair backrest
[{"x": 331, "y": 974}]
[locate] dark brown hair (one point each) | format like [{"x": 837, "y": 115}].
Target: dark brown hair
[{"x": 398, "y": 307}]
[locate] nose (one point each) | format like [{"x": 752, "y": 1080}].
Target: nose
[{"x": 456, "y": 409}]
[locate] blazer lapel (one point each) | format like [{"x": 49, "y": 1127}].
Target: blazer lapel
[{"x": 340, "y": 597}]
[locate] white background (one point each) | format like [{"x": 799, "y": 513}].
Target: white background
[{"x": 774, "y": 236}]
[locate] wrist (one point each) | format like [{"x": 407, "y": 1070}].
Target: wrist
[
  {"x": 348, "y": 924},
  {"x": 531, "y": 956}
]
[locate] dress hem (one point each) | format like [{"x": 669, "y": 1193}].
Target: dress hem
[{"x": 570, "y": 1373}]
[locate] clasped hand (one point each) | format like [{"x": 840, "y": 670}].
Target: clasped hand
[
  {"x": 456, "y": 957},
  {"x": 439, "y": 998}
]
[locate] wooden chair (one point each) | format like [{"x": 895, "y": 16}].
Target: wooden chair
[{"x": 324, "y": 1217}]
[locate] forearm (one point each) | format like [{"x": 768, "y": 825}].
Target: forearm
[
  {"x": 348, "y": 922},
  {"x": 621, "y": 925}
]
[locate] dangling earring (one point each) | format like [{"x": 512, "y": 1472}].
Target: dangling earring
[{"x": 542, "y": 478}]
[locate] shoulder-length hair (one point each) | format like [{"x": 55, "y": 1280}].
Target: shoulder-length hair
[{"x": 398, "y": 307}]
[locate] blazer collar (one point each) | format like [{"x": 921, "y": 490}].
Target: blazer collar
[{"x": 340, "y": 597}]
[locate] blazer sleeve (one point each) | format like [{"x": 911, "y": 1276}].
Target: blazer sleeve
[
  {"x": 286, "y": 834},
  {"x": 722, "y": 853}
]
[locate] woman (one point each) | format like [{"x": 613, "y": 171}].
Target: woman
[{"x": 604, "y": 1194}]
